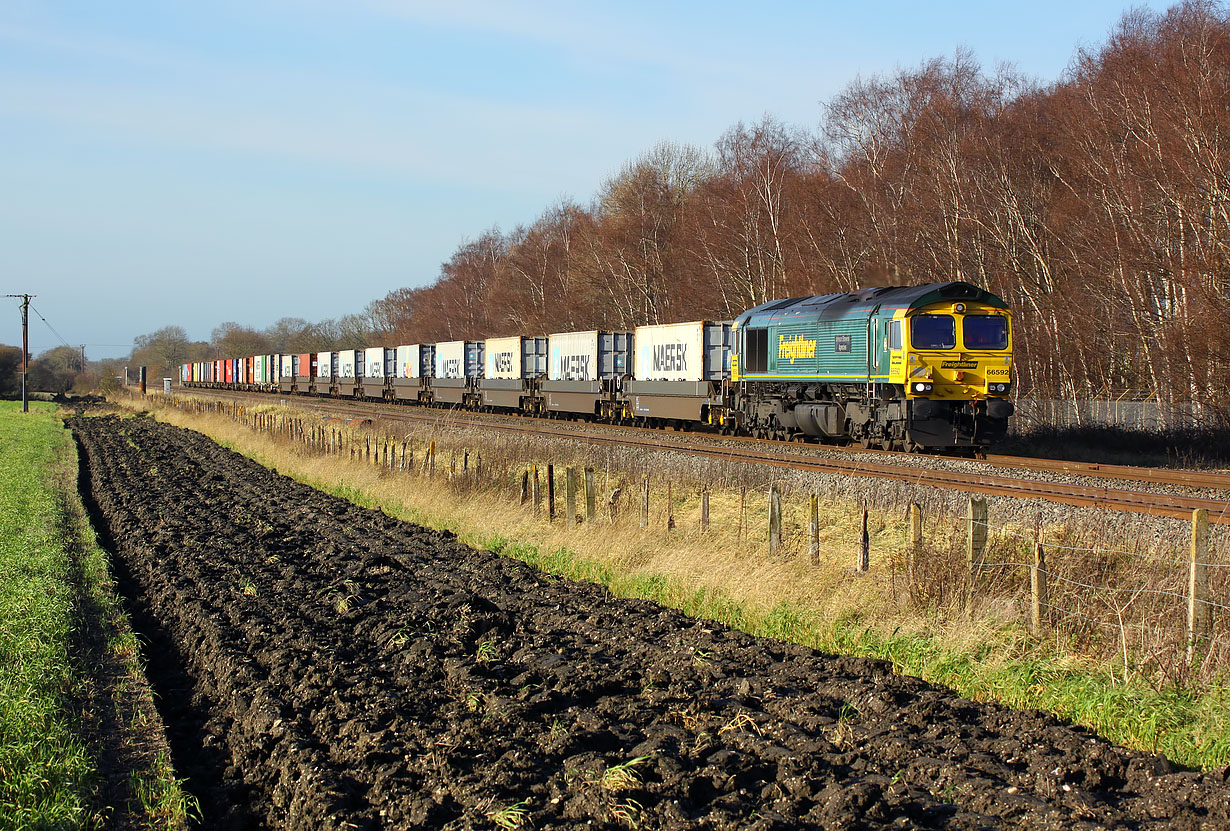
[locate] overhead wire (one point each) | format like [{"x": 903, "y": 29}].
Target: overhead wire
[{"x": 52, "y": 328}]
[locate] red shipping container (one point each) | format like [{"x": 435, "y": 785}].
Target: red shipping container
[{"x": 307, "y": 365}]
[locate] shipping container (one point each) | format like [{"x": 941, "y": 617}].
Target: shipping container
[
  {"x": 515, "y": 357},
  {"x": 373, "y": 362},
  {"x": 459, "y": 359},
  {"x": 347, "y": 365},
  {"x": 697, "y": 351},
  {"x": 416, "y": 360},
  {"x": 306, "y": 369},
  {"x": 324, "y": 365},
  {"x": 589, "y": 356}
]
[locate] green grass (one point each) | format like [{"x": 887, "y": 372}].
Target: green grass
[
  {"x": 44, "y": 769},
  {"x": 56, "y": 591}
]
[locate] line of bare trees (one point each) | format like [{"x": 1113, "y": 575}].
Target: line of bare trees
[{"x": 1098, "y": 207}]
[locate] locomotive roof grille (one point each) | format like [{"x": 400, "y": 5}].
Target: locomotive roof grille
[{"x": 841, "y": 304}]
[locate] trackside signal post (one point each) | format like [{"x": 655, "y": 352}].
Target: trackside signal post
[{"x": 25, "y": 347}]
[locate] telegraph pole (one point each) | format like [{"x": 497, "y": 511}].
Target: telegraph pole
[{"x": 25, "y": 346}]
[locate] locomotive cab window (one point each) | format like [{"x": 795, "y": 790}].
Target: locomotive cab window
[
  {"x": 757, "y": 351},
  {"x": 985, "y": 332},
  {"x": 894, "y": 335},
  {"x": 933, "y": 332}
]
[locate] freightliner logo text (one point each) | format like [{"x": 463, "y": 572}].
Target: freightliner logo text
[{"x": 797, "y": 347}]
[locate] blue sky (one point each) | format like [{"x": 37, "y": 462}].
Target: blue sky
[{"x": 192, "y": 163}]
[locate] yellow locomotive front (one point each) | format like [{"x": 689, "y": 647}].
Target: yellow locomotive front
[{"x": 954, "y": 363}]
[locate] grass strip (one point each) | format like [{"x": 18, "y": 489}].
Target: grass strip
[
  {"x": 45, "y": 771},
  {"x": 81, "y": 743}
]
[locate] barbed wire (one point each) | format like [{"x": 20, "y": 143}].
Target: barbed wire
[
  {"x": 1141, "y": 589},
  {"x": 1092, "y": 550}
]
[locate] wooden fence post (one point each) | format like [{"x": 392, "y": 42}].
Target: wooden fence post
[
  {"x": 775, "y": 519},
  {"x": 742, "y": 509},
  {"x": 591, "y": 496},
  {"x": 1039, "y": 602},
  {"x": 813, "y": 542},
  {"x": 976, "y": 543},
  {"x": 916, "y": 540},
  {"x": 550, "y": 493},
  {"x": 670, "y": 506},
  {"x": 570, "y": 496},
  {"x": 431, "y": 451},
  {"x": 537, "y": 493},
  {"x": 525, "y": 486},
  {"x": 1199, "y": 612},
  {"x": 704, "y": 509},
  {"x": 864, "y": 545},
  {"x": 645, "y": 503}
]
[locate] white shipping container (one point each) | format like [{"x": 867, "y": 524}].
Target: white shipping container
[
  {"x": 503, "y": 358},
  {"x": 285, "y": 361},
  {"x": 695, "y": 351},
  {"x": 373, "y": 358},
  {"x": 408, "y": 361},
  {"x": 574, "y": 356},
  {"x": 346, "y": 363},
  {"x": 451, "y": 359},
  {"x": 324, "y": 364}
]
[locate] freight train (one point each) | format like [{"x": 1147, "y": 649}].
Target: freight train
[{"x": 925, "y": 367}]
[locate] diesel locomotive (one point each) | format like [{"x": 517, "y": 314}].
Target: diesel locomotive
[{"x": 925, "y": 367}]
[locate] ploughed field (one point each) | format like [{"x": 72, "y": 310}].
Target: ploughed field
[{"x": 325, "y": 666}]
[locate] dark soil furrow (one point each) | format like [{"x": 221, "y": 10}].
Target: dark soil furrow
[{"x": 355, "y": 671}]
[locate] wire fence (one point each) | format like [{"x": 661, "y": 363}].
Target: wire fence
[{"x": 1146, "y": 413}]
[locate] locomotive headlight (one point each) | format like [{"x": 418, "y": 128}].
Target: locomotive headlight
[{"x": 920, "y": 386}]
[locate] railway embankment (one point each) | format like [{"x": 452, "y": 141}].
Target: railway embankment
[{"x": 332, "y": 666}]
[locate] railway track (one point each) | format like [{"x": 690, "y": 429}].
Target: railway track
[{"x": 871, "y": 464}]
